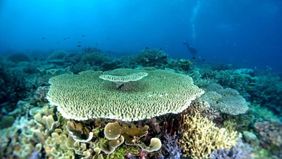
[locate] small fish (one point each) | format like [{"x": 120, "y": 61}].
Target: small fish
[
  {"x": 78, "y": 45},
  {"x": 43, "y": 38}
]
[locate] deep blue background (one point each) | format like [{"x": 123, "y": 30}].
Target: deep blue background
[{"x": 244, "y": 32}]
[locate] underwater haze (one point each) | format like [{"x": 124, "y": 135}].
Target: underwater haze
[
  {"x": 243, "y": 32},
  {"x": 140, "y": 79}
]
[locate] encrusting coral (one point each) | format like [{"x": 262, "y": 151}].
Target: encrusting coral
[
  {"x": 85, "y": 96},
  {"x": 200, "y": 136}
]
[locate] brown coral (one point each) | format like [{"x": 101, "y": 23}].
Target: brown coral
[{"x": 270, "y": 133}]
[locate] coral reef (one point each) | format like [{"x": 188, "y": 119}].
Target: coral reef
[
  {"x": 121, "y": 80},
  {"x": 161, "y": 113},
  {"x": 94, "y": 57},
  {"x": 200, "y": 136},
  {"x": 6, "y": 121},
  {"x": 40, "y": 94},
  {"x": 239, "y": 79},
  {"x": 171, "y": 149},
  {"x": 267, "y": 92},
  {"x": 270, "y": 134},
  {"x": 204, "y": 108},
  {"x": 183, "y": 65},
  {"x": 226, "y": 100},
  {"x": 85, "y": 96},
  {"x": 18, "y": 57},
  {"x": 263, "y": 113},
  {"x": 47, "y": 132},
  {"x": 250, "y": 138},
  {"x": 57, "y": 55},
  {"x": 132, "y": 135},
  {"x": 26, "y": 136},
  {"x": 239, "y": 151},
  {"x": 261, "y": 88},
  {"x": 152, "y": 58},
  {"x": 12, "y": 85}
]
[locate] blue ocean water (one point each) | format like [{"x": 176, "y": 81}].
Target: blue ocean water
[
  {"x": 141, "y": 79},
  {"x": 242, "y": 32}
]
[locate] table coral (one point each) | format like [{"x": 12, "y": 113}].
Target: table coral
[
  {"x": 227, "y": 101},
  {"x": 85, "y": 96}
]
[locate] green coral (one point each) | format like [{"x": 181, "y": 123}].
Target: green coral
[
  {"x": 85, "y": 96},
  {"x": 122, "y": 151},
  {"x": 261, "y": 153},
  {"x": 6, "y": 121},
  {"x": 110, "y": 146},
  {"x": 263, "y": 113}
]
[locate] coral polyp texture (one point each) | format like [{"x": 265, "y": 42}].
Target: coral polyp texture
[
  {"x": 124, "y": 79},
  {"x": 227, "y": 101},
  {"x": 85, "y": 96},
  {"x": 200, "y": 137}
]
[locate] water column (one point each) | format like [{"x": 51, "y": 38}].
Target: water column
[{"x": 193, "y": 19}]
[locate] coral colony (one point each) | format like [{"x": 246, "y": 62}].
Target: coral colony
[{"x": 90, "y": 105}]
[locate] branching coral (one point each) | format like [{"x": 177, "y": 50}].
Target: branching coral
[
  {"x": 239, "y": 151},
  {"x": 200, "y": 136},
  {"x": 170, "y": 147}
]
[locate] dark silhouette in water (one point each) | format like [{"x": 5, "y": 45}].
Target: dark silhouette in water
[
  {"x": 193, "y": 51},
  {"x": 66, "y": 38}
]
